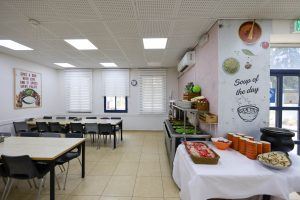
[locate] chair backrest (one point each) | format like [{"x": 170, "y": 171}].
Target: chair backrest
[
  {"x": 76, "y": 127},
  {"x": 49, "y": 134},
  {"x": 5, "y": 134},
  {"x": 72, "y": 117},
  {"x": 115, "y": 118},
  {"x": 47, "y": 117},
  {"x": 29, "y": 134},
  {"x": 91, "y": 117},
  {"x": 104, "y": 118},
  {"x": 75, "y": 135},
  {"x": 20, "y": 167},
  {"x": 55, "y": 127},
  {"x": 60, "y": 117},
  {"x": 91, "y": 128},
  {"x": 21, "y": 127},
  {"x": 42, "y": 126},
  {"x": 105, "y": 128}
]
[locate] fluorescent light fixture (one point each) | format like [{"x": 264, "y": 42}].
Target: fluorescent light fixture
[
  {"x": 13, "y": 45},
  {"x": 109, "y": 64},
  {"x": 81, "y": 44},
  {"x": 155, "y": 43},
  {"x": 65, "y": 65}
]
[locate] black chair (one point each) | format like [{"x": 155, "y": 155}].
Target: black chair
[
  {"x": 22, "y": 168},
  {"x": 76, "y": 128},
  {"x": 55, "y": 127},
  {"x": 5, "y": 134},
  {"x": 20, "y": 127},
  {"x": 60, "y": 117},
  {"x": 105, "y": 130},
  {"x": 117, "y": 128},
  {"x": 115, "y": 118},
  {"x": 72, "y": 118},
  {"x": 47, "y": 117},
  {"x": 104, "y": 118},
  {"x": 66, "y": 158},
  {"x": 29, "y": 134},
  {"x": 91, "y": 117},
  {"x": 92, "y": 129},
  {"x": 42, "y": 127},
  {"x": 50, "y": 134}
]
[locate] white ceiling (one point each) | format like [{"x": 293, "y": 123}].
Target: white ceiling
[{"x": 117, "y": 27}]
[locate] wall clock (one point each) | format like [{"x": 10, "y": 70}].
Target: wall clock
[
  {"x": 133, "y": 82},
  {"x": 250, "y": 32}
]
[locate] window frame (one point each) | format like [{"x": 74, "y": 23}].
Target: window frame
[{"x": 116, "y": 111}]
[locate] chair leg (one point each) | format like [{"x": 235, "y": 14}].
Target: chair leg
[
  {"x": 7, "y": 188},
  {"x": 58, "y": 185},
  {"x": 61, "y": 169},
  {"x": 4, "y": 181},
  {"x": 29, "y": 183},
  {"x": 40, "y": 188},
  {"x": 66, "y": 176},
  {"x": 79, "y": 161},
  {"x": 35, "y": 185}
]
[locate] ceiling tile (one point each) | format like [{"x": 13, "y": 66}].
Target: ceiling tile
[
  {"x": 62, "y": 30},
  {"x": 120, "y": 9},
  {"x": 155, "y": 9},
  {"x": 123, "y": 28},
  {"x": 197, "y": 8},
  {"x": 154, "y": 55},
  {"x": 192, "y": 27},
  {"x": 91, "y": 28},
  {"x": 104, "y": 42},
  {"x": 154, "y": 28}
]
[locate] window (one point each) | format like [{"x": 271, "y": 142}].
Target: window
[
  {"x": 285, "y": 89},
  {"x": 115, "y": 90},
  {"x": 78, "y": 90},
  {"x": 152, "y": 91},
  {"x": 115, "y": 104}
]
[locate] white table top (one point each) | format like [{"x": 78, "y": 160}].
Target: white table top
[
  {"x": 38, "y": 148},
  {"x": 235, "y": 176},
  {"x": 83, "y": 121}
]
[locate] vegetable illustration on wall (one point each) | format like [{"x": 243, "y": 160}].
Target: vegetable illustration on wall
[{"x": 28, "y": 89}]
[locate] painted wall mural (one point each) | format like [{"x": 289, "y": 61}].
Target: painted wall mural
[
  {"x": 247, "y": 89},
  {"x": 28, "y": 89}
]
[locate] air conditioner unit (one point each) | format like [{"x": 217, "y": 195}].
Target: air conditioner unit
[{"x": 188, "y": 60}]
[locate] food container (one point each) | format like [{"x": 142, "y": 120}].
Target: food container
[
  {"x": 242, "y": 145},
  {"x": 259, "y": 148},
  {"x": 235, "y": 142},
  {"x": 221, "y": 143},
  {"x": 230, "y": 137},
  {"x": 280, "y": 139},
  {"x": 251, "y": 149},
  {"x": 202, "y": 160},
  {"x": 249, "y": 138},
  {"x": 266, "y": 146}
]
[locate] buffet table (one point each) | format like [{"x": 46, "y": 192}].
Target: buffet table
[{"x": 235, "y": 176}]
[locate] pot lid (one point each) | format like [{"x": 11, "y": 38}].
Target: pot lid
[{"x": 277, "y": 131}]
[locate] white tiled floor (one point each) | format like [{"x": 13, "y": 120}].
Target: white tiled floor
[{"x": 137, "y": 169}]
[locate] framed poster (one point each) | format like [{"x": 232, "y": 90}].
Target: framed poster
[{"x": 28, "y": 89}]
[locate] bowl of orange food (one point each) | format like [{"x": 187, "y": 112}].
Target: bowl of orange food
[{"x": 221, "y": 143}]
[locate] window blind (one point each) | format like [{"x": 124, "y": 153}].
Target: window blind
[
  {"x": 115, "y": 82},
  {"x": 78, "y": 90},
  {"x": 152, "y": 91}
]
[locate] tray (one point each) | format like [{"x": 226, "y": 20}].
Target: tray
[{"x": 203, "y": 160}]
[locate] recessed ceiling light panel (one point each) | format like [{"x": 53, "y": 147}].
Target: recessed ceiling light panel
[
  {"x": 14, "y": 45},
  {"x": 155, "y": 43},
  {"x": 81, "y": 44},
  {"x": 65, "y": 65},
  {"x": 109, "y": 64}
]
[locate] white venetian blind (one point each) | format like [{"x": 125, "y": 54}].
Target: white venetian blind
[
  {"x": 115, "y": 82},
  {"x": 78, "y": 90},
  {"x": 152, "y": 91}
]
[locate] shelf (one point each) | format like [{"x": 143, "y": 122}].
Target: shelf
[
  {"x": 203, "y": 122},
  {"x": 185, "y": 109}
]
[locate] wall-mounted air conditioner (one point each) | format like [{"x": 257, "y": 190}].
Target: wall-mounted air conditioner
[{"x": 188, "y": 60}]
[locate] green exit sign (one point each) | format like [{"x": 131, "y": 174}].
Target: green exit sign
[{"x": 297, "y": 26}]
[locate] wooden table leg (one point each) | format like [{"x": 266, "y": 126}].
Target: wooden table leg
[
  {"x": 52, "y": 180},
  {"x": 83, "y": 160}
]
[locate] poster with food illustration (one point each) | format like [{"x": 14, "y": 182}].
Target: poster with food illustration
[{"x": 28, "y": 89}]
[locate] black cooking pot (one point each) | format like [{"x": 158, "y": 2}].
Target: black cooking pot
[{"x": 280, "y": 139}]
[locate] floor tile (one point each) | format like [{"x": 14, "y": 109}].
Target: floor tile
[
  {"x": 83, "y": 197},
  {"x": 148, "y": 187},
  {"x": 149, "y": 157},
  {"x": 120, "y": 186},
  {"x": 92, "y": 185},
  {"x": 149, "y": 169},
  {"x": 170, "y": 188},
  {"x": 126, "y": 169}
]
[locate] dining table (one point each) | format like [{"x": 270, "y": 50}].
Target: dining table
[
  {"x": 64, "y": 122},
  {"x": 43, "y": 149},
  {"x": 234, "y": 177}
]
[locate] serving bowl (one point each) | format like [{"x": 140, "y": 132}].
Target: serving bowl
[{"x": 221, "y": 144}]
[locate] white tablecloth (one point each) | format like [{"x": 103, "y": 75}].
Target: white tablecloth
[{"x": 235, "y": 176}]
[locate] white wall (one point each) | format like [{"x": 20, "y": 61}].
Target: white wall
[
  {"x": 133, "y": 120},
  {"x": 230, "y": 45},
  {"x": 49, "y": 91}
]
